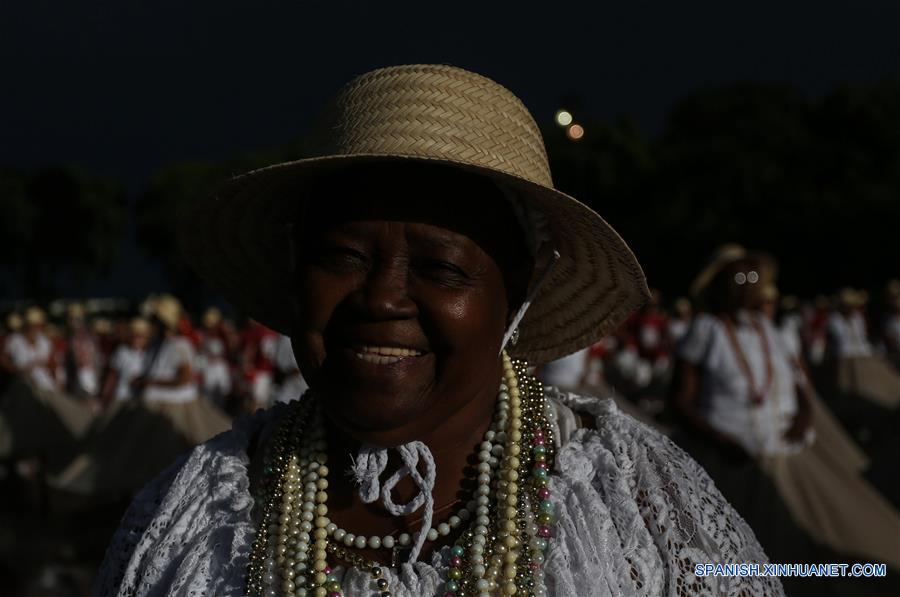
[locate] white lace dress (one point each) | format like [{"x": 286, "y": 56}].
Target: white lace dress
[{"x": 635, "y": 515}]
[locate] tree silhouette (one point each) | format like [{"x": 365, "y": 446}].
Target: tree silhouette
[{"x": 58, "y": 222}]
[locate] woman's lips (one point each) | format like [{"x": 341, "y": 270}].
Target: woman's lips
[{"x": 385, "y": 355}]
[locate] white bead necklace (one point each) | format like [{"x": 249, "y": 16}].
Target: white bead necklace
[{"x": 503, "y": 547}]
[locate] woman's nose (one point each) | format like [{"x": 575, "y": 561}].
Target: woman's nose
[{"x": 386, "y": 290}]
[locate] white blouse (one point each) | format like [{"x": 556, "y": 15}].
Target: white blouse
[
  {"x": 725, "y": 392},
  {"x": 635, "y": 516},
  {"x": 128, "y": 363},
  {"x": 849, "y": 335},
  {"x": 25, "y": 354},
  {"x": 173, "y": 353}
]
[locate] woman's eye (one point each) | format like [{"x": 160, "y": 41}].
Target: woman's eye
[
  {"x": 343, "y": 258},
  {"x": 442, "y": 270}
]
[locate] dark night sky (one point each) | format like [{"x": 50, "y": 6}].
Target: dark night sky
[{"x": 122, "y": 87}]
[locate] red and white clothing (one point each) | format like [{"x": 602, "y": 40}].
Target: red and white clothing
[{"x": 260, "y": 345}]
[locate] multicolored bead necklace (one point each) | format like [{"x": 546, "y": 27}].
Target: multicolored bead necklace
[{"x": 510, "y": 515}]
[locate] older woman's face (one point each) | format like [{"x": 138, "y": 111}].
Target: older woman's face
[{"x": 404, "y": 290}]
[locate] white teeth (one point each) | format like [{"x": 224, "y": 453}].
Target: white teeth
[
  {"x": 385, "y": 355},
  {"x": 390, "y": 351},
  {"x": 377, "y": 359}
]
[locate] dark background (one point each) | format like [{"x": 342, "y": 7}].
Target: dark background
[{"x": 772, "y": 123}]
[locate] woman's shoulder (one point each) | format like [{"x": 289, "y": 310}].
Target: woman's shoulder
[
  {"x": 651, "y": 491},
  {"x": 600, "y": 424},
  {"x": 198, "y": 508}
]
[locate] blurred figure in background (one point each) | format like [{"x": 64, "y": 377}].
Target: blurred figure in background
[
  {"x": 258, "y": 354},
  {"x": 567, "y": 373},
  {"x": 891, "y": 327},
  {"x": 168, "y": 385},
  {"x": 212, "y": 362},
  {"x": 128, "y": 362},
  {"x": 680, "y": 322},
  {"x": 30, "y": 353},
  {"x": 163, "y": 416},
  {"x": 817, "y": 330},
  {"x": 81, "y": 355},
  {"x": 831, "y": 439},
  {"x": 858, "y": 371},
  {"x": 289, "y": 382},
  {"x": 41, "y": 422},
  {"x": 739, "y": 387}
]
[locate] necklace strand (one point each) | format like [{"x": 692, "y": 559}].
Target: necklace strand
[{"x": 510, "y": 516}]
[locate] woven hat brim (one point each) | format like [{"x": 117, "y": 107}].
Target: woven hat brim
[{"x": 238, "y": 241}]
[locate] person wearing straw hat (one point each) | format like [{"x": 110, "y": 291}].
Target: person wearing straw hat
[
  {"x": 168, "y": 385},
  {"x": 158, "y": 415},
  {"x": 858, "y": 370},
  {"x": 740, "y": 388},
  {"x": 31, "y": 354},
  {"x": 212, "y": 362},
  {"x": 680, "y": 321},
  {"x": 81, "y": 355},
  {"x": 127, "y": 363},
  {"x": 43, "y": 422},
  {"x": 416, "y": 265}
]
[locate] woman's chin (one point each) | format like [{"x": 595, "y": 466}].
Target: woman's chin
[{"x": 375, "y": 417}]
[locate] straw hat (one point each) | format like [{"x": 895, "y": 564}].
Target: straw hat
[
  {"x": 14, "y": 322},
  {"x": 140, "y": 327},
  {"x": 168, "y": 310},
  {"x": 35, "y": 316},
  {"x": 682, "y": 307},
  {"x": 212, "y": 317},
  {"x": 849, "y": 297},
  {"x": 721, "y": 258},
  {"x": 893, "y": 288},
  {"x": 101, "y": 326},
  {"x": 238, "y": 239},
  {"x": 75, "y": 311}
]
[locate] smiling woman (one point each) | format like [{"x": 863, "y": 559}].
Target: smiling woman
[
  {"x": 396, "y": 263},
  {"x": 417, "y": 264}
]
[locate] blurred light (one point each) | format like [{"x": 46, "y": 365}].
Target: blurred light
[
  {"x": 575, "y": 132},
  {"x": 563, "y": 118}
]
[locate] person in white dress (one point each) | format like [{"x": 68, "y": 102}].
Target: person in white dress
[
  {"x": 858, "y": 370},
  {"x": 128, "y": 362},
  {"x": 164, "y": 410},
  {"x": 212, "y": 361},
  {"x": 680, "y": 321},
  {"x": 40, "y": 420},
  {"x": 30, "y": 353},
  {"x": 81, "y": 357},
  {"x": 411, "y": 317},
  {"x": 740, "y": 388}
]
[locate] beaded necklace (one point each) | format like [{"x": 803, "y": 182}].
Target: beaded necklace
[
  {"x": 757, "y": 395},
  {"x": 509, "y": 517}
]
